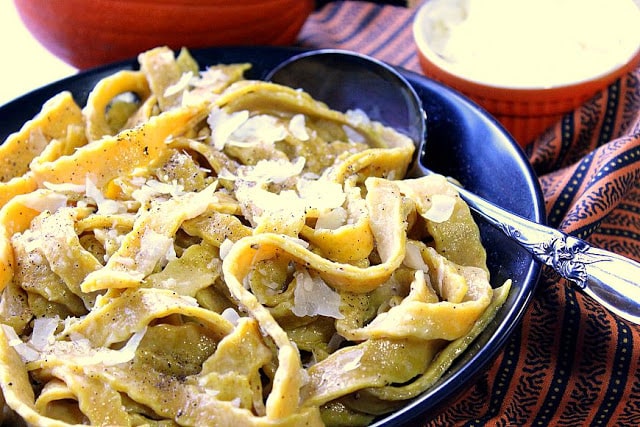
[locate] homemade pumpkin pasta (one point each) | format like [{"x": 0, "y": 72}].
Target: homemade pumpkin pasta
[{"x": 192, "y": 248}]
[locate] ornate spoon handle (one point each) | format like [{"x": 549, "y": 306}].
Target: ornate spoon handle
[{"x": 610, "y": 279}]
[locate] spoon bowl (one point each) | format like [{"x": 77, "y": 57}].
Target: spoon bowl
[
  {"x": 339, "y": 78},
  {"x": 342, "y": 79}
]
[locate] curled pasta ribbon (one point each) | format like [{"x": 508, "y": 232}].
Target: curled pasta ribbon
[
  {"x": 458, "y": 236},
  {"x": 161, "y": 70},
  {"x": 73, "y": 264},
  {"x": 443, "y": 359},
  {"x": 95, "y": 112},
  {"x": 237, "y": 263},
  {"x": 51, "y": 123},
  {"x": 119, "y": 155},
  {"x": 391, "y": 162},
  {"x": 360, "y": 366},
  {"x": 53, "y": 129},
  {"x": 16, "y": 217},
  {"x": 255, "y": 94},
  {"x": 387, "y": 223},
  {"x": 195, "y": 270},
  {"x": 196, "y": 400},
  {"x": 271, "y": 97},
  {"x": 350, "y": 242},
  {"x": 16, "y": 386},
  {"x": 135, "y": 309},
  {"x": 149, "y": 242},
  {"x": 74, "y": 384},
  {"x": 418, "y": 317},
  {"x": 209, "y": 396},
  {"x": 284, "y": 399}
]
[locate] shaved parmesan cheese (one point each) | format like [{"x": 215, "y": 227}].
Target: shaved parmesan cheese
[
  {"x": 353, "y": 135},
  {"x": 259, "y": 203},
  {"x": 111, "y": 239},
  {"x": 239, "y": 129},
  {"x": 231, "y": 315},
  {"x": 105, "y": 206},
  {"x": 413, "y": 257},
  {"x": 225, "y": 247},
  {"x": 44, "y": 329},
  {"x": 298, "y": 128},
  {"x": 152, "y": 189},
  {"x": 66, "y": 187},
  {"x": 83, "y": 355},
  {"x": 154, "y": 247},
  {"x": 127, "y": 352},
  {"x": 277, "y": 171},
  {"x": 256, "y": 130},
  {"x": 44, "y": 201},
  {"x": 211, "y": 77},
  {"x": 78, "y": 350},
  {"x": 321, "y": 194},
  {"x": 138, "y": 181},
  {"x": 357, "y": 117},
  {"x": 223, "y": 125},
  {"x": 269, "y": 171},
  {"x": 354, "y": 363},
  {"x": 313, "y": 297},
  {"x": 205, "y": 87},
  {"x": 333, "y": 219},
  {"x": 180, "y": 85},
  {"x": 170, "y": 255},
  {"x": 26, "y": 352},
  {"x": 441, "y": 208},
  {"x": 124, "y": 261}
]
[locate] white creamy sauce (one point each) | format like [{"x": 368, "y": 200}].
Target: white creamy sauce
[{"x": 532, "y": 43}]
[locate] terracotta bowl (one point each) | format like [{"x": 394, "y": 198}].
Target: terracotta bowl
[
  {"x": 86, "y": 34},
  {"x": 525, "y": 111}
]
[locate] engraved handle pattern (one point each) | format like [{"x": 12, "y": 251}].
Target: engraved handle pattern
[
  {"x": 558, "y": 252},
  {"x": 610, "y": 279}
]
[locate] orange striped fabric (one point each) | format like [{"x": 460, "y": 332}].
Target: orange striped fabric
[{"x": 570, "y": 362}]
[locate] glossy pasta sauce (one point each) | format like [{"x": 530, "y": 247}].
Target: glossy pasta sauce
[{"x": 532, "y": 43}]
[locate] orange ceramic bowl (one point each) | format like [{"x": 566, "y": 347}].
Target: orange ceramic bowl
[
  {"x": 90, "y": 33},
  {"x": 524, "y": 111}
]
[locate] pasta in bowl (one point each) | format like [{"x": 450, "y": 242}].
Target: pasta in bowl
[{"x": 211, "y": 249}]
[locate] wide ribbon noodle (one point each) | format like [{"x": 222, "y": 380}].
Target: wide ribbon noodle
[{"x": 192, "y": 248}]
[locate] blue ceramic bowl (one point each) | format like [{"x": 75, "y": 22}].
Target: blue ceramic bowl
[{"x": 464, "y": 142}]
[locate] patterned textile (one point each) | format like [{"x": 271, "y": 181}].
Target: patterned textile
[{"x": 570, "y": 362}]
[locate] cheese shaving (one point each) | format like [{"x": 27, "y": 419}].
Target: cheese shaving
[
  {"x": 441, "y": 208},
  {"x": 180, "y": 86},
  {"x": 332, "y": 220},
  {"x": 223, "y": 125},
  {"x": 256, "y": 130},
  {"x": 313, "y": 297},
  {"x": 105, "y": 206},
  {"x": 298, "y": 128},
  {"x": 44, "y": 201}
]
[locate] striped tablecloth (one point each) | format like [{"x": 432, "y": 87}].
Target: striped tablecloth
[{"x": 570, "y": 362}]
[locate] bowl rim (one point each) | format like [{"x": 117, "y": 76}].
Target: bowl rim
[{"x": 430, "y": 59}]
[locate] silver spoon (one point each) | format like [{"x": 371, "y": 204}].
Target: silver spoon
[{"x": 340, "y": 78}]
